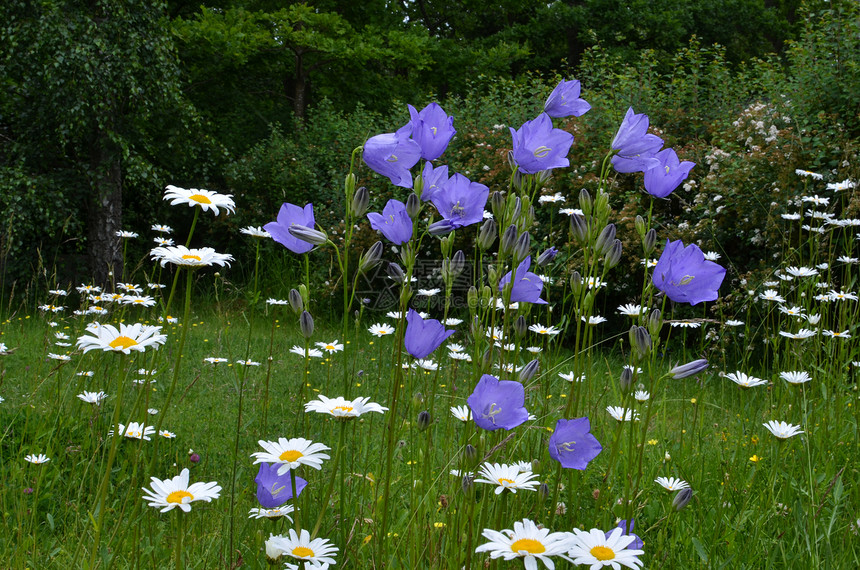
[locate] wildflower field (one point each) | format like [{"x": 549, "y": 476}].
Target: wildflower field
[{"x": 460, "y": 393}]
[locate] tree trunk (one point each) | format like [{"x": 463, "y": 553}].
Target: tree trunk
[
  {"x": 300, "y": 88},
  {"x": 105, "y": 211}
]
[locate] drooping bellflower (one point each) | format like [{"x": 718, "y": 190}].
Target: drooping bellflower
[
  {"x": 434, "y": 178},
  {"x": 538, "y": 146},
  {"x": 685, "y": 276},
  {"x": 572, "y": 444},
  {"x": 564, "y": 100},
  {"x": 526, "y": 286},
  {"x": 635, "y": 148},
  {"x": 662, "y": 180},
  {"x": 292, "y": 215},
  {"x": 274, "y": 490},
  {"x": 432, "y": 129},
  {"x": 423, "y": 336},
  {"x": 460, "y": 202},
  {"x": 392, "y": 155},
  {"x": 498, "y": 404},
  {"x": 394, "y": 223}
]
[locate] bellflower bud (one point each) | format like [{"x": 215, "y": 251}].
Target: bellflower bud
[
  {"x": 439, "y": 228},
  {"x": 470, "y": 454},
  {"x": 601, "y": 204},
  {"x": 360, "y": 201},
  {"x": 613, "y": 256},
  {"x": 395, "y": 272},
  {"x": 688, "y": 369},
  {"x": 508, "y": 240},
  {"x": 578, "y": 228},
  {"x": 639, "y": 224},
  {"x": 349, "y": 183},
  {"x": 497, "y": 205},
  {"x": 475, "y": 327},
  {"x": 518, "y": 208},
  {"x": 458, "y": 263},
  {"x": 655, "y": 322},
  {"x": 543, "y": 489},
  {"x": 472, "y": 298},
  {"x": 423, "y": 420},
  {"x": 605, "y": 239},
  {"x": 309, "y": 235},
  {"x": 547, "y": 256},
  {"x": 682, "y": 498},
  {"x": 487, "y": 359},
  {"x": 306, "y": 323},
  {"x": 649, "y": 241},
  {"x": 529, "y": 370},
  {"x": 640, "y": 339},
  {"x": 371, "y": 258},
  {"x": 585, "y": 202},
  {"x": 413, "y": 205},
  {"x": 303, "y": 291},
  {"x": 295, "y": 299},
  {"x": 576, "y": 283},
  {"x": 467, "y": 485},
  {"x": 407, "y": 254},
  {"x": 487, "y": 234},
  {"x": 527, "y": 220},
  {"x": 522, "y": 246},
  {"x": 520, "y": 326},
  {"x": 626, "y": 380}
]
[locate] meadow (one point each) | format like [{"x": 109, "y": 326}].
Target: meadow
[{"x": 708, "y": 420}]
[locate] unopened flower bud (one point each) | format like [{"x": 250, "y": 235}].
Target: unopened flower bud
[
  {"x": 649, "y": 241},
  {"x": 576, "y": 283},
  {"x": 470, "y": 454},
  {"x": 601, "y": 204},
  {"x": 497, "y": 205},
  {"x": 303, "y": 291},
  {"x": 306, "y": 323},
  {"x": 529, "y": 370},
  {"x": 542, "y": 177},
  {"x": 475, "y": 327},
  {"x": 423, "y": 420},
  {"x": 655, "y": 322},
  {"x": 371, "y": 258},
  {"x": 528, "y": 218},
  {"x": 578, "y": 228},
  {"x": 682, "y": 498},
  {"x": 626, "y": 380},
  {"x": 349, "y": 183},
  {"x": 487, "y": 359},
  {"x": 439, "y": 228},
  {"x": 520, "y": 326},
  {"x": 508, "y": 240},
  {"x": 688, "y": 369},
  {"x": 518, "y": 207},
  {"x": 522, "y": 246},
  {"x": 395, "y": 272},
  {"x": 547, "y": 256},
  {"x": 605, "y": 240},
  {"x": 472, "y": 298},
  {"x": 309, "y": 235},
  {"x": 639, "y": 224},
  {"x": 613, "y": 256},
  {"x": 194, "y": 458},
  {"x": 467, "y": 485},
  {"x": 487, "y": 234},
  {"x": 458, "y": 263},
  {"x": 585, "y": 202},
  {"x": 360, "y": 201},
  {"x": 486, "y": 294},
  {"x": 413, "y": 205},
  {"x": 295, "y": 299},
  {"x": 543, "y": 489},
  {"x": 640, "y": 339}
]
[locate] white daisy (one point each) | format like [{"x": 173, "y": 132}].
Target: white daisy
[
  {"x": 551, "y": 198},
  {"x": 193, "y": 257},
  {"x": 176, "y": 492},
  {"x": 622, "y": 414},
  {"x": 214, "y": 360},
  {"x": 92, "y": 397},
  {"x": 805, "y": 173},
  {"x": 782, "y": 430},
  {"x": 793, "y": 311},
  {"x": 744, "y": 380},
  {"x": 836, "y": 334},
  {"x": 534, "y": 349},
  {"x": 507, "y": 477},
  {"x": 290, "y": 453},
  {"x": 712, "y": 255},
  {"x": 206, "y": 199},
  {"x": 671, "y": 483},
  {"x": 61, "y": 357},
  {"x": 256, "y": 232},
  {"x": 330, "y": 347},
  {"x": 598, "y": 549},
  {"x": 801, "y": 334},
  {"x": 135, "y": 337},
  {"x": 317, "y": 552},
  {"x": 641, "y": 396},
  {"x": 571, "y": 211},
  {"x": 37, "y": 459},
  {"x": 462, "y": 413},
  {"x": 381, "y": 329},
  {"x": 795, "y": 377},
  {"x": 540, "y": 329},
  {"x": 594, "y": 320},
  {"x": 58, "y": 292},
  {"x": 311, "y": 353},
  {"x": 134, "y": 430},
  {"x": 570, "y": 377},
  {"x": 791, "y": 217},
  {"x": 272, "y": 514},
  {"x": 451, "y": 322},
  {"x": 842, "y": 296},
  {"x": 342, "y": 408},
  {"x": 138, "y": 300},
  {"x": 460, "y": 356},
  {"x": 771, "y": 295},
  {"x": 801, "y": 271},
  {"x": 429, "y": 292},
  {"x": 125, "y": 234},
  {"x": 166, "y": 434},
  {"x": 526, "y": 541},
  {"x": 162, "y": 228},
  {"x": 632, "y": 310},
  {"x": 248, "y": 362}
]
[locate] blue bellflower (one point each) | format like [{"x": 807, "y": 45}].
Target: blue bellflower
[
  {"x": 274, "y": 490},
  {"x": 685, "y": 276},
  {"x": 423, "y": 336},
  {"x": 394, "y": 223},
  {"x": 662, "y": 180},
  {"x": 637, "y": 544},
  {"x": 434, "y": 178},
  {"x": 292, "y": 215},
  {"x": 538, "y": 146},
  {"x": 527, "y": 286},
  {"x": 635, "y": 147},
  {"x": 432, "y": 129},
  {"x": 572, "y": 444},
  {"x": 498, "y": 404},
  {"x": 564, "y": 101},
  {"x": 393, "y": 155},
  {"x": 460, "y": 202}
]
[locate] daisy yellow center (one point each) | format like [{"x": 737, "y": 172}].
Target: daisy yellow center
[
  {"x": 122, "y": 342},
  {"x": 177, "y": 496},
  {"x": 346, "y": 409},
  {"x": 290, "y": 455},
  {"x": 602, "y": 553},
  {"x": 330, "y": 347},
  {"x": 200, "y": 199},
  {"x": 302, "y": 552},
  {"x": 530, "y": 545},
  {"x": 503, "y": 480},
  {"x": 189, "y": 256}
]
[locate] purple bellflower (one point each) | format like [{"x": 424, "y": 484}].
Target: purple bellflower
[
  {"x": 392, "y": 155},
  {"x": 662, "y": 180},
  {"x": 685, "y": 276},
  {"x": 432, "y": 129},
  {"x": 274, "y": 490},
  {"x": 434, "y": 179},
  {"x": 526, "y": 287},
  {"x": 564, "y": 101},
  {"x": 572, "y": 444},
  {"x": 423, "y": 336},
  {"x": 394, "y": 223},
  {"x": 635, "y": 148},
  {"x": 460, "y": 202},
  {"x": 637, "y": 544},
  {"x": 292, "y": 215},
  {"x": 498, "y": 404},
  {"x": 538, "y": 146}
]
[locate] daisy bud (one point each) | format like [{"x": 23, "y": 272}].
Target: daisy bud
[
  {"x": 371, "y": 258},
  {"x": 649, "y": 241},
  {"x": 640, "y": 226},
  {"x": 273, "y": 553},
  {"x": 295, "y": 299},
  {"x": 487, "y": 234},
  {"x": 497, "y": 205},
  {"x": 395, "y": 272},
  {"x": 640, "y": 339},
  {"x": 413, "y": 205},
  {"x": 521, "y": 248},
  {"x": 688, "y": 369},
  {"x": 655, "y": 322},
  {"x": 423, "y": 420},
  {"x": 529, "y": 370},
  {"x": 547, "y": 256},
  {"x": 472, "y": 298},
  {"x": 360, "y": 201},
  {"x": 508, "y": 240},
  {"x": 613, "y": 256},
  {"x": 626, "y": 380},
  {"x": 585, "y": 202},
  {"x": 306, "y": 323},
  {"x": 682, "y": 498},
  {"x": 309, "y": 235},
  {"x": 578, "y": 228},
  {"x": 520, "y": 326},
  {"x": 605, "y": 240}
]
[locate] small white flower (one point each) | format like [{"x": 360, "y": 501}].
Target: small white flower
[
  {"x": 671, "y": 483},
  {"x": 782, "y": 430}
]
